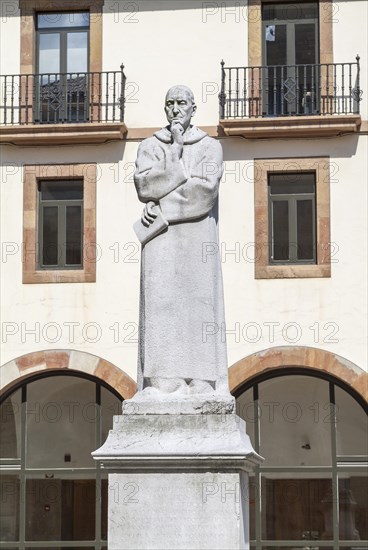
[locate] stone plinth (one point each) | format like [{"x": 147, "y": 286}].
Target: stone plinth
[{"x": 180, "y": 481}]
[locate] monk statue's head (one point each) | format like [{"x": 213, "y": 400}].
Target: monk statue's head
[{"x": 180, "y": 105}]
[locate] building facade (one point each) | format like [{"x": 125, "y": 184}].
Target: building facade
[{"x": 283, "y": 86}]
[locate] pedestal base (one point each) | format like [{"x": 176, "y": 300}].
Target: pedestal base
[
  {"x": 178, "y": 511},
  {"x": 180, "y": 481}
]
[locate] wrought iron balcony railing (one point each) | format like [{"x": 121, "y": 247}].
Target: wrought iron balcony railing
[
  {"x": 290, "y": 90},
  {"x": 60, "y": 98}
]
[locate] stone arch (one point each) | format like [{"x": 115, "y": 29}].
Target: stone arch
[
  {"x": 37, "y": 362},
  {"x": 298, "y": 356}
]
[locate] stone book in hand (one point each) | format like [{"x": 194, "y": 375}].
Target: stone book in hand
[{"x": 146, "y": 233}]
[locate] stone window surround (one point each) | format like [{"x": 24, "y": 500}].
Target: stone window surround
[
  {"x": 32, "y": 174},
  {"x": 255, "y": 30},
  {"x": 28, "y": 9},
  {"x": 319, "y": 165}
]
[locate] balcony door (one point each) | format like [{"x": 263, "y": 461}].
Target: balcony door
[
  {"x": 290, "y": 56},
  {"x": 62, "y": 67}
]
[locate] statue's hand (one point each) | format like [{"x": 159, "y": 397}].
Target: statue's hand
[
  {"x": 148, "y": 215},
  {"x": 177, "y": 132}
]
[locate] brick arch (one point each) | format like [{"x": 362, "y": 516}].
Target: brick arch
[
  {"x": 30, "y": 364},
  {"x": 298, "y": 356}
]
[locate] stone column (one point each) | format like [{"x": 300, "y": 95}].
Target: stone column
[{"x": 180, "y": 476}]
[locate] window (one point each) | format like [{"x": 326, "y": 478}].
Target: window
[
  {"x": 53, "y": 491},
  {"x": 292, "y": 217},
  {"x": 59, "y": 223},
  {"x": 313, "y": 436},
  {"x": 62, "y": 67},
  {"x": 62, "y": 15},
  {"x": 60, "y": 233},
  {"x": 290, "y": 55},
  {"x": 319, "y": 17}
]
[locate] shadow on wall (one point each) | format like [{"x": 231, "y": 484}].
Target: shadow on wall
[{"x": 238, "y": 148}]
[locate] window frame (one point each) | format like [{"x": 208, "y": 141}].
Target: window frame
[
  {"x": 290, "y": 33},
  {"x": 324, "y": 248},
  {"x": 63, "y": 112},
  {"x": 61, "y": 205},
  {"x": 29, "y": 9},
  {"x": 32, "y": 271},
  {"x": 18, "y": 466},
  {"x": 63, "y": 33},
  {"x": 339, "y": 464},
  {"x": 326, "y": 8},
  {"x": 292, "y": 200}
]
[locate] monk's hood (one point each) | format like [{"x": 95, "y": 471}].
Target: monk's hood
[{"x": 192, "y": 135}]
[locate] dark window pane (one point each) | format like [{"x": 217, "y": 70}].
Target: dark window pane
[
  {"x": 76, "y": 98},
  {"x": 62, "y": 20},
  {"x": 110, "y": 406},
  {"x": 61, "y": 190},
  {"x": 276, "y": 49},
  {"x": 351, "y": 425},
  {"x": 353, "y": 506},
  {"x": 292, "y": 182},
  {"x": 10, "y": 426},
  {"x": 9, "y": 509},
  {"x": 305, "y": 43},
  {"x": 280, "y": 230},
  {"x": 61, "y": 420},
  {"x": 295, "y": 410},
  {"x": 305, "y": 229},
  {"x": 246, "y": 409},
  {"x": 293, "y": 507},
  {"x": 73, "y": 243},
  {"x": 104, "y": 508},
  {"x": 50, "y": 251},
  {"x": 60, "y": 509},
  {"x": 290, "y": 12}
]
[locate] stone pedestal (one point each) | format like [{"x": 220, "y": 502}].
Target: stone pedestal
[{"x": 180, "y": 480}]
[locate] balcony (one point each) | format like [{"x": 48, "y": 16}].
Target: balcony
[
  {"x": 62, "y": 108},
  {"x": 290, "y": 100}
]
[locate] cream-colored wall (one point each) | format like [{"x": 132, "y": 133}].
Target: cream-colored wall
[
  {"x": 153, "y": 64},
  {"x": 9, "y": 37},
  {"x": 350, "y": 38},
  {"x": 304, "y": 302},
  {"x": 335, "y": 307},
  {"x": 113, "y": 299},
  {"x": 140, "y": 34},
  {"x": 165, "y": 43}
]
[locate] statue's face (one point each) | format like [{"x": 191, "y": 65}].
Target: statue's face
[{"x": 179, "y": 106}]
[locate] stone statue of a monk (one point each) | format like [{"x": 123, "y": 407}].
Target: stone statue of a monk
[{"x": 181, "y": 345}]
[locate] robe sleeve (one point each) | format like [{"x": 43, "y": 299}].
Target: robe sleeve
[
  {"x": 197, "y": 196},
  {"x": 158, "y": 171}
]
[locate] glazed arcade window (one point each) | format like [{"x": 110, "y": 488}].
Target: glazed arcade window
[
  {"x": 292, "y": 217},
  {"x": 60, "y": 232}
]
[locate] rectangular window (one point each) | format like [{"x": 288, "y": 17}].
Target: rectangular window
[
  {"x": 63, "y": 65},
  {"x": 60, "y": 224},
  {"x": 292, "y": 217},
  {"x": 290, "y": 56}
]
